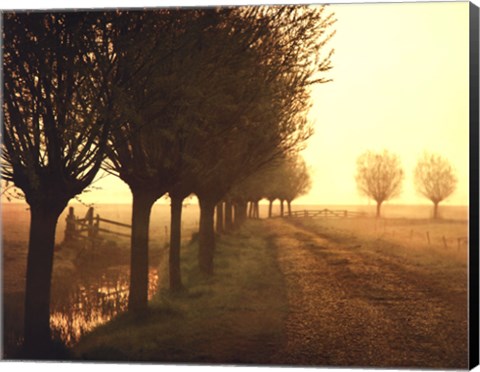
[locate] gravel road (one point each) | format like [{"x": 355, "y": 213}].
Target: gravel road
[{"x": 349, "y": 306}]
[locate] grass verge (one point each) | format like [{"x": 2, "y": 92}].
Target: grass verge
[{"x": 237, "y": 316}]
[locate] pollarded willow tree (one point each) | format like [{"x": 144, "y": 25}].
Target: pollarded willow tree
[
  {"x": 130, "y": 155},
  {"x": 435, "y": 179},
  {"x": 379, "y": 176},
  {"x": 179, "y": 68},
  {"x": 264, "y": 117},
  {"x": 144, "y": 148},
  {"x": 202, "y": 69},
  {"x": 245, "y": 93},
  {"x": 294, "y": 180},
  {"x": 252, "y": 189},
  {"x": 285, "y": 179},
  {"x": 210, "y": 75},
  {"x": 56, "y": 123}
]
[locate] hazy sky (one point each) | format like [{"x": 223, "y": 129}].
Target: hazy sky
[{"x": 400, "y": 81}]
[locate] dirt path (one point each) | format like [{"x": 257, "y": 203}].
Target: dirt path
[{"x": 357, "y": 307}]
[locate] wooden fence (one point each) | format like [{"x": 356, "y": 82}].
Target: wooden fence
[
  {"x": 91, "y": 226},
  {"x": 327, "y": 213}
]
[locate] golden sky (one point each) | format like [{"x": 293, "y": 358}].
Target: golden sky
[{"x": 400, "y": 81}]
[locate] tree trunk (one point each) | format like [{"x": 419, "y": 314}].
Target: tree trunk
[
  {"x": 206, "y": 236},
  {"x": 240, "y": 213},
  {"x": 270, "y": 205},
  {"x": 435, "y": 210},
  {"x": 256, "y": 211},
  {"x": 236, "y": 215},
  {"x": 219, "y": 210},
  {"x": 142, "y": 206},
  {"x": 228, "y": 216},
  {"x": 243, "y": 212},
  {"x": 281, "y": 207},
  {"x": 37, "y": 338},
  {"x": 175, "y": 243},
  {"x": 379, "y": 205},
  {"x": 289, "y": 204}
]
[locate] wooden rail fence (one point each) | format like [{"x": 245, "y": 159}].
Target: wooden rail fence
[
  {"x": 327, "y": 213},
  {"x": 89, "y": 227}
]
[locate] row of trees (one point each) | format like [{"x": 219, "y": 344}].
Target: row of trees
[
  {"x": 173, "y": 101},
  {"x": 284, "y": 179},
  {"x": 380, "y": 176}
]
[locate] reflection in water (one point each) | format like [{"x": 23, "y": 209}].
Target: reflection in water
[{"x": 79, "y": 307}]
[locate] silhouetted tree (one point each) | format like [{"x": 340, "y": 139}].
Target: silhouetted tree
[
  {"x": 379, "y": 176},
  {"x": 56, "y": 123},
  {"x": 270, "y": 206},
  {"x": 264, "y": 102},
  {"x": 286, "y": 179},
  {"x": 203, "y": 72},
  {"x": 272, "y": 184},
  {"x": 177, "y": 196},
  {"x": 156, "y": 111},
  {"x": 228, "y": 214},
  {"x": 435, "y": 179},
  {"x": 219, "y": 225},
  {"x": 295, "y": 180},
  {"x": 160, "y": 111}
]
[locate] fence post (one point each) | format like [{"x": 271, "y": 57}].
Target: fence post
[
  {"x": 428, "y": 238},
  {"x": 89, "y": 218},
  {"x": 70, "y": 226}
]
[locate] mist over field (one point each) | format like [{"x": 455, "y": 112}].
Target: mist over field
[{"x": 15, "y": 216}]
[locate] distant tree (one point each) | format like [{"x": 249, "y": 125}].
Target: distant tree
[
  {"x": 379, "y": 176},
  {"x": 297, "y": 180},
  {"x": 250, "y": 190},
  {"x": 228, "y": 214},
  {"x": 435, "y": 179},
  {"x": 56, "y": 124},
  {"x": 219, "y": 217},
  {"x": 286, "y": 179},
  {"x": 272, "y": 194}
]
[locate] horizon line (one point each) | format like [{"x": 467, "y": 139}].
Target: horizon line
[{"x": 309, "y": 204}]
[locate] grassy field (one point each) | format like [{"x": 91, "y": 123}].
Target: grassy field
[
  {"x": 237, "y": 316},
  {"x": 426, "y": 240}
]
